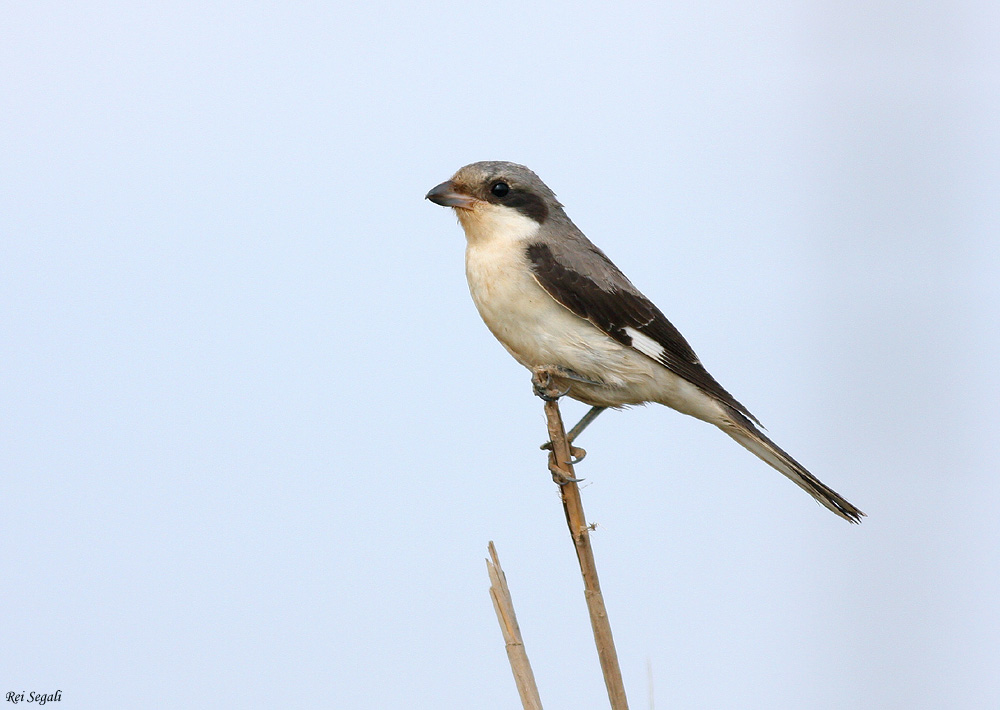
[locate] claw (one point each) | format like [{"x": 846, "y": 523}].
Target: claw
[
  {"x": 543, "y": 387},
  {"x": 560, "y": 477},
  {"x": 544, "y": 394}
]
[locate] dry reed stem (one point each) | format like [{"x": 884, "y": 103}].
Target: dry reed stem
[
  {"x": 518, "y": 657},
  {"x": 560, "y": 459}
]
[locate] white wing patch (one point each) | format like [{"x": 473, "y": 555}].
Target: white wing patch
[{"x": 646, "y": 345}]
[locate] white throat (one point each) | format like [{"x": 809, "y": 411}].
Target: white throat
[{"x": 488, "y": 224}]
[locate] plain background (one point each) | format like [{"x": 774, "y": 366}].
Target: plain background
[{"x": 255, "y": 437}]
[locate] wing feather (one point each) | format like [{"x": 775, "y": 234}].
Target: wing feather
[{"x": 626, "y": 315}]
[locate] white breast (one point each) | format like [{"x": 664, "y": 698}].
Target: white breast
[
  {"x": 533, "y": 326},
  {"x": 538, "y": 331}
]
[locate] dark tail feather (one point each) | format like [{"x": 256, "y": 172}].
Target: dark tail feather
[{"x": 748, "y": 436}]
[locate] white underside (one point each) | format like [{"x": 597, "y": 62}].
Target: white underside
[{"x": 538, "y": 331}]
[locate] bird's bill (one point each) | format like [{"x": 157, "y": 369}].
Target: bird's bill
[{"x": 447, "y": 195}]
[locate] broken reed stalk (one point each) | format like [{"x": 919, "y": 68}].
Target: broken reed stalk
[
  {"x": 518, "y": 657},
  {"x": 560, "y": 460}
]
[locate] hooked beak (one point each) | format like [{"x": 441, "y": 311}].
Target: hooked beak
[{"x": 447, "y": 195}]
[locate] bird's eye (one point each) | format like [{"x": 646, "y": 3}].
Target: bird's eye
[{"x": 500, "y": 189}]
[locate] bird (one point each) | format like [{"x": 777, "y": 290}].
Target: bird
[{"x": 559, "y": 305}]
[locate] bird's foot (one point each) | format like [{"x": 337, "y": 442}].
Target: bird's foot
[
  {"x": 543, "y": 380},
  {"x": 576, "y": 453},
  {"x": 559, "y": 476}
]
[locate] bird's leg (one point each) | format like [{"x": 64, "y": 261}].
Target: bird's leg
[
  {"x": 584, "y": 422},
  {"x": 542, "y": 381}
]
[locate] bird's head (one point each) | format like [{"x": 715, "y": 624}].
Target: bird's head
[{"x": 494, "y": 197}]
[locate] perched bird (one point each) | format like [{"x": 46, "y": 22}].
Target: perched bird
[{"x": 555, "y": 301}]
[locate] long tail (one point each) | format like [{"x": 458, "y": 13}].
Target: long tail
[{"x": 748, "y": 436}]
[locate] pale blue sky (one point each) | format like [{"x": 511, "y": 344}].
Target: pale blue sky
[{"x": 254, "y": 437}]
